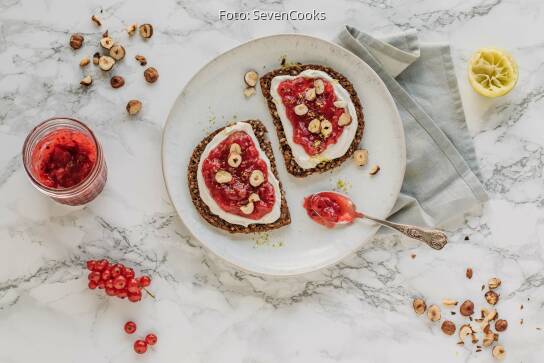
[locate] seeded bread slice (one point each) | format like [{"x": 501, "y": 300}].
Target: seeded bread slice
[
  {"x": 204, "y": 210},
  {"x": 290, "y": 163}
]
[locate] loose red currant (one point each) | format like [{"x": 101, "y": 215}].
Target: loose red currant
[
  {"x": 128, "y": 273},
  {"x": 140, "y": 346},
  {"x": 133, "y": 286},
  {"x": 101, "y": 265},
  {"x": 116, "y": 270},
  {"x": 119, "y": 282},
  {"x": 92, "y": 285},
  {"x": 106, "y": 275},
  {"x": 94, "y": 276},
  {"x": 91, "y": 264},
  {"x": 151, "y": 339},
  {"x": 130, "y": 327},
  {"x": 135, "y": 297},
  {"x": 145, "y": 281},
  {"x": 110, "y": 292}
]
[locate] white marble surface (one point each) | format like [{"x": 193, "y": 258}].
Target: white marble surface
[{"x": 206, "y": 311}]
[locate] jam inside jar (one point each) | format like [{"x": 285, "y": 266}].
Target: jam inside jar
[{"x": 64, "y": 160}]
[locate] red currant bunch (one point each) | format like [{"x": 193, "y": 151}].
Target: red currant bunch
[{"x": 116, "y": 279}]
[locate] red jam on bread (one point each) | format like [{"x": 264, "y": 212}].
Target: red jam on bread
[
  {"x": 64, "y": 158},
  {"x": 310, "y": 107},
  {"x": 237, "y": 177}
]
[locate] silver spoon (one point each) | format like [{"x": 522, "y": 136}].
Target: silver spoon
[{"x": 432, "y": 237}]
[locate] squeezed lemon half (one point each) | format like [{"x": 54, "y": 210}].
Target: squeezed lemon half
[{"x": 492, "y": 72}]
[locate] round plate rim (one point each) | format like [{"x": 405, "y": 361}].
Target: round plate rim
[{"x": 319, "y": 266}]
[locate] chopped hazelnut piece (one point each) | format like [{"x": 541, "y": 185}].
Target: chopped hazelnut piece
[
  {"x": 345, "y": 119},
  {"x": 492, "y": 297},
  {"x": 141, "y": 59},
  {"x": 146, "y": 31},
  {"x": 133, "y": 107},
  {"x": 301, "y": 109},
  {"x": 310, "y": 94},
  {"x": 256, "y": 178},
  {"x": 489, "y": 338},
  {"x": 95, "y": 20},
  {"x": 467, "y": 308},
  {"x": 84, "y": 61},
  {"x": 235, "y": 148},
  {"x": 86, "y": 81},
  {"x": 449, "y": 302},
  {"x": 106, "y": 42},
  {"x": 448, "y": 327},
  {"x": 234, "y": 160},
  {"x": 326, "y": 128},
  {"x": 499, "y": 352},
  {"x": 96, "y": 58},
  {"x": 493, "y": 283},
  {"x": 360, "y": 157},
  {"x": 501, "y": 325},
  {"x": 106, "y": 62},
  {"x": 434, "y": 313},
  {"x": 374, "y": 170},
  {"x": 249, "y": 91},
  {"x": 248, "y": 208},
  {"x": 419, "y": 306},
  {"x": 254, "y": 197},
  {"x": 340, "y": 104},
  {"x": 76, "y": 41},
  {"x": 151, "y": 75},
  {"x": 131, "y": 29},
  {"x": 117, "y": 81},
  {"x": 223, "y": 176},
  {"x": 117, "y": 52},
  {"x": 314, "y": 126},
  {"x": 319, "y": 86},
  {"x": 464, "y": 331},
  {"x": 251, "y": 78}
]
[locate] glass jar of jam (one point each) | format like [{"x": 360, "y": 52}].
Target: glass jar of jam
[{"x": 64, "y": 161}]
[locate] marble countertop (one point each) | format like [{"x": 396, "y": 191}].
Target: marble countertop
[{"x": 207, "y": 311}]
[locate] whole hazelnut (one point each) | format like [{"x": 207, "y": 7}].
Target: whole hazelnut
[
  {"x": 133, "y": 107},
  {"x": 76, "y": 41},
  {"x": 434, "y": 313},
  {"x": 469, "y": 273},
  {"x": 467, "y": 308},
  {"x": 117, "y": 81},
  {"x": 146, "y": 31},
  {"x": 492, "y": 297},
  {"x": 448, "y": 327},
  {"x": 419, "y": 306},
  {"x": 151, "y": 75},
  {"x": 501, "y": 325}
]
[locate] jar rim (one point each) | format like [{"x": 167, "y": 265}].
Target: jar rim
[{"x": 82, "y": 185}]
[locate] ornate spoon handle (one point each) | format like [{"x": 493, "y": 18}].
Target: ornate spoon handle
[{"x": 433, "y": 237}]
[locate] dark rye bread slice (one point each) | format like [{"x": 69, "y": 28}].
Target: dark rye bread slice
[
  {"x": 204, "y": 210},
  {"x": 290, "y": 163}
]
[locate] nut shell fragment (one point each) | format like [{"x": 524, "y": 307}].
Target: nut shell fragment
[
  {"x": 434, "y": 313},
  {"x": 251, "y": 78},
  {"x": 95, "y": 20},
  {"x": 133, "y": 107},
  {"x": 131, "y": 29},
  {"x": 140, "y": 58},
  {"x": 146, "y": 31}
]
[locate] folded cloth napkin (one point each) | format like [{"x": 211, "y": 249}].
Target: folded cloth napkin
[{"x": 442, "y": 180}]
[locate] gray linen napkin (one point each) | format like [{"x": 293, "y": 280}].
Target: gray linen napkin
[{"x": 442, "y": 180}]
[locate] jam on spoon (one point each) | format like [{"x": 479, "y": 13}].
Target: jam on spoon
[{"x": 331, "y": 208}]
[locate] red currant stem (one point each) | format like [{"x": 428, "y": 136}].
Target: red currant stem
[{"x": 150, "y": 294}]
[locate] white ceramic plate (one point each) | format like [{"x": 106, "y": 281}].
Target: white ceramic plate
[{"x": 214, "y": 97}]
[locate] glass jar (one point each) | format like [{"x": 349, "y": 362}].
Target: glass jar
[{"x": 64, "y": 161}]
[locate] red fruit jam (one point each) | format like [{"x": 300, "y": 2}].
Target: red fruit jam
[
  {"x": 328, "y": 208},
  {"x": 292, "y": 93},
  {"x": 234, "y": 194},
  {"x": 63, "y": 158}
]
